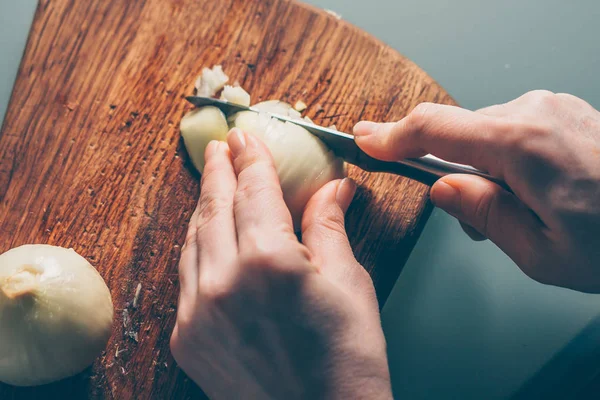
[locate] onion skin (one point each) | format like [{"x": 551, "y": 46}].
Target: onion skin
[{"x": 56, "y": 314}]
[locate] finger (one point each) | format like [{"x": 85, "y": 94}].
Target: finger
[
  {"x": 215, "y": 225},
  {"x": 448, "y": 132},
  {"x": 323, "y": 227},
  {"x": 189, "y": 260},
  {"x": 324, "y": 233},
  {"x": 491, "y": 211},
  {"x": 472, "y": 232},
  {"x": 261, "y": 215}
]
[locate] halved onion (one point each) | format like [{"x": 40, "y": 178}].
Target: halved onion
[
  {"x": 211, "y": 81},
  {"x": 236, "y": 95}
]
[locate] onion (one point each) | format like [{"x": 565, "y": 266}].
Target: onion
[
  {"x": 211, "y": 81},
  {"x": 236, "y": 95},
  {"x": 304, "y": 164},
  {"x": 198, "y": 128},
  {"x": 56, "y": 314},
  {"x": 300, "y": 106}
]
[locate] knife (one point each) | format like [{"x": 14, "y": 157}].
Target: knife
[{"x": 427, "y": 169}]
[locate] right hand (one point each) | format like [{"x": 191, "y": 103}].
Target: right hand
[{"x": 546, "y": 146}]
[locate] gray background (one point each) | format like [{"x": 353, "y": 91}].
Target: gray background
[{"x": 463, "y": 321}]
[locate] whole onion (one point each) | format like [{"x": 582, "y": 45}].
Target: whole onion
[{"x": 56, "y": 314}]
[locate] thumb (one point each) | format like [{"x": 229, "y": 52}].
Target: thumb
[
  {"x": 324, "y": 234},
  {"x": 493, "y": 212}
]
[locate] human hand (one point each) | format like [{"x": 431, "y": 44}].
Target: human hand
[
  {"x": 262, "y": 315},
  {"x": 545, "y": 146}
]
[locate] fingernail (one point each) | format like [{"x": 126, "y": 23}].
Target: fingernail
[
  {"x": 446, "y": 197},
  {"x": 345, "y": 193},
  {"x": 365, "y": 128},
  {"x": 237, "y": 141}
]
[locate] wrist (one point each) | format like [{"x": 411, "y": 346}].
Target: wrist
[{"x": 367, "y": 378}]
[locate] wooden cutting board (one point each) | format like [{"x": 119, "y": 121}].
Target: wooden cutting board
[{"x": 91, "y": 157}]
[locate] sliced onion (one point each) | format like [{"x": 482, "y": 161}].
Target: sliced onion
[
  {"x": 211, "y": 81},
  {"x": 236, "y": 95},
  {"x": 300, "y": 106},
  {"x": 273, "y": 106},
  {"x": 198, "y": 128}
]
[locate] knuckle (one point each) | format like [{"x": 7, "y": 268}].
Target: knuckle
[
  {"x": 274, "y": 259},
  {"x": 528, "y": 136},
  {"x": 483, "y": 211},
  {"x": 254, "y": 187},
  {"x": 417, "y": 119},
  {"x": 263, "y": 193},
  {"x": 261, "y": 257},
  {"x": 252, "y": 159},
  {"x": 260, "y": 174},
  {"x": 215, "y": 294},
  {"x": 211, "y": 206},
  {"x": 538, "y": 94},
  {"x": 329, "y": 222},
  {"x": 545, "y": 98}
]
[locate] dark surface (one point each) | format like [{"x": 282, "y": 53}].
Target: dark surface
[
  {"x": 90, "y": 154},
  {"x": 573, "y": 373}
]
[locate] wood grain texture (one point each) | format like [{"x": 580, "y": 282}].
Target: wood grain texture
[{"x": 91, "y": 157}]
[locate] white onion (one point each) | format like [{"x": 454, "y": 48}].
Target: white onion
[
  {"x": 198, "y": 128},
  {"x": 56, "y": 314},
  {"x": 211, "y": 81},
  {"x": 277, "y": 107},
  {"x": 304, "y": 164},
  {"x": 300, "y": 106},
  {"x": 236, "y": 95}
]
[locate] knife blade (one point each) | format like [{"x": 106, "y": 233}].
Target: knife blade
[{"x": 427, "y": 169}]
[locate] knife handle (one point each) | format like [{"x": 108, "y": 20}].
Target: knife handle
[{"x": 428, "y": 170}]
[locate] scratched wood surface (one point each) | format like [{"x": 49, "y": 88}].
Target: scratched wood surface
[{"x": 91, "y": 158}]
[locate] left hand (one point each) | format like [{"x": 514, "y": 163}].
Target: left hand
[{"x": 262, "y": 315}]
